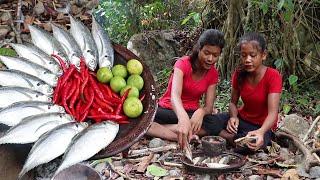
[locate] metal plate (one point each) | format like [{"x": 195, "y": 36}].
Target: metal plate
[
  {"x": 132, "y": 132},
  {"x": 240, "y": 161}
]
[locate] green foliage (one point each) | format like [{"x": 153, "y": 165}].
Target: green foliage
[
  {"x": 126, "y": 18},
  {"x": 192, "y": 16},
  {"x": 7, "y": 52}
]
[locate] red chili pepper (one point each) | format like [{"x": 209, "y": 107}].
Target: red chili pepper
[
  {"x": 105, "y": 89},
  {"x": 72, "y": 89},
  {"x": 95, "y": 87},
  {"x": 108, "y": 117},
  {"x": 61, "y": 61},
  {"x": 83, "y": 85},
  {"x": 64, "y": 98},
  {"x": 103, "y": 105},
  {"x": 77, "y": 110},
  {"x": 83, "y": 117},
  {"x": 67, "y": 74},
  {"x": 90, "y": 100},
  {"x": 125, "y": 95},
  {"x": 76, "y": 94},
  {"x": 56, "y": 92}
]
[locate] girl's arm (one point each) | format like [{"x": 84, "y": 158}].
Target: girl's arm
[
  {"x": 197, "y": 117},
  {"x": 233, "y": 122},
  {"x": 273, "y": 106},
  {"x": 184, "y": 129}
]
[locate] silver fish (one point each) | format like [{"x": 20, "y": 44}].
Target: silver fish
[
  {"x": 69, "y": 45},
  {"x": 32, "y": 127},
  {"x": 47, "y": 43},
  {"x": 105, "y": 48},
  {"x": 10, "y": 95},
  {"x": 37, "y": 56},
  {"x": 86, "y": 144},
  {"x": 85, "y": 41},
  {"x": 14, "y": 113},
  {"x": 51, "y": 145},
  {"x": 21, "y": 79},
  {"x": 24, "y": 65}
]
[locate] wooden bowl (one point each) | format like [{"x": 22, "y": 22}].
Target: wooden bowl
[{"x": 213, "y": 145}]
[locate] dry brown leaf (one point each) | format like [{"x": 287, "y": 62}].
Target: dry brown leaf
[
  {"x": 271, "y": 172},
  {"x": 291, "y": 174}
]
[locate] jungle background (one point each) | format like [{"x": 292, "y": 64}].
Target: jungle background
[{"x": 292, "y": 30}]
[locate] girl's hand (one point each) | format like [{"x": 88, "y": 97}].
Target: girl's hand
[
  {"x": 196, "y": 121},
  {"x": 233, "y": 124},
  {"x": 259, "y": 139},
  {"x": 184, "y": 132}
]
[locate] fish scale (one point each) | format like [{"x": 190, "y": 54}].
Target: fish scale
[
  {"x": 18, "y": 78},
  {"x": 85, "y": 41},
  {"x": 10, "y": 95},
  {"x": 69, "y": 44},
  {"x": 36, "y": 55},
  {"x": 14, "y": 113},
  {"x": 24, "y": 65},
  {"x": 78, "y": 150},
  {"x": 51, "y": 145}
]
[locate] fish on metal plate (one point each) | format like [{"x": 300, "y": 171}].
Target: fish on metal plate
[
  {"x": 69, "y": 45},
  {"x": 86, "y": 43},
  {"x": 13, "y": 114},
  {"x": 51, "y": 145},
  {"x": 24, "y": 65},
  {"x": 86, "y": 144},
  {"x": 10, "y": 95},
  {"x": 30, "y": 128},
  {"x": 36, "y": 55},
  {"x": 47, "y": 43},
  {"x": 21, "y": 79},
  {"x": 105, "y": 48}
]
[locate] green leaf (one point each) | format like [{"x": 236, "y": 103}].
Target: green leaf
[
  {"x": 7, "y": 52},
  {"x": 279, "y": 63},
  {"x": 286, "y": 108},
  {"x": 288, "y": 15},
  {"x": 156, "y": 170},
  {"x": 302, "y": 101},
  {"x": 191, "y": 15},
  {"x": 264, "y": 7},
  {"x": 293, "y": 79},
  {"x": 280, "y": 4}
]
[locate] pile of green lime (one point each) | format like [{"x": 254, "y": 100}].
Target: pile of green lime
[{"x": 120, "y": 82}]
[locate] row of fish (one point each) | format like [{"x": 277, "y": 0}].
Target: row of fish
[{"x": 26, "y": 89}]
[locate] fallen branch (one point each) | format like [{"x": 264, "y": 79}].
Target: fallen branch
[
  {"x": 146, "y": 151},
  {"x": 171, "y": 164},
  {"x": 118, "y": 172},
  {"x": 17, "y": 30},
  {"x": 314, "y": 123},
  {"x": 144, "y": 163},
  {"x": 309, "y": 159}
]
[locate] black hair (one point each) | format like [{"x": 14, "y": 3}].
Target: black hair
[
  {"x": 211, "y": 37},
  {"x": 261, "y": 46}
]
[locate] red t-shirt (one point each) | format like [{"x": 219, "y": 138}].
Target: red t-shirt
[
  {"x": 255, "y": 99},
  {"x": 191, "y": 89}
]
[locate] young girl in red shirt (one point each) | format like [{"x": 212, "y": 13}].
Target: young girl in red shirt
[
  {"x": 179, "y": 115},
  {"x": 259, "y": 88}
]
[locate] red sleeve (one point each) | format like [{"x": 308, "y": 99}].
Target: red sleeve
[
  {"x": 183, "y": 64},
  {"x": 275, "y": 82},
  {"x": 234, "y": 80}
]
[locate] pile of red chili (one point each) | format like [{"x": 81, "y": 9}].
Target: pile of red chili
[{"x": 82, "y": 96}]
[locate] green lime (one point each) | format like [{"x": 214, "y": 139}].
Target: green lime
[
  {"x": 133, "y": 92},
  {"x": 119, "y": 70},
  {"x": 104, "y": 75},
  {"x": 132, "y": 107},
  {"x": 134, "y": 67},
  {"x": 117, "y": 83},
  {"x": 136, "y": 81}
]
